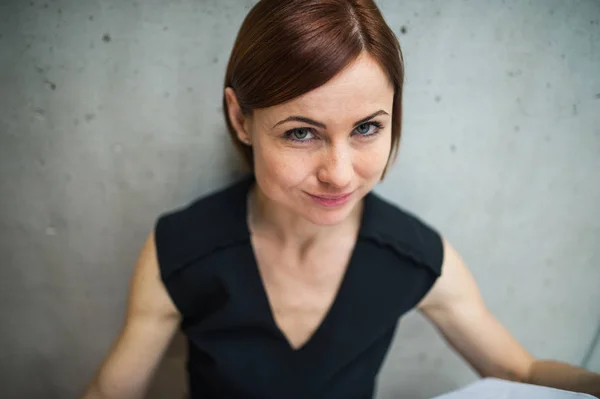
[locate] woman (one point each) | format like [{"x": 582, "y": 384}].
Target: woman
[{"x": 289, "y": 283}]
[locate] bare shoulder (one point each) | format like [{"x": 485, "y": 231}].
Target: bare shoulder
[
  {"x": 150, "y": 324},
  {"x": 148, "y": 294},
  {"x": 455, "y": 284}
]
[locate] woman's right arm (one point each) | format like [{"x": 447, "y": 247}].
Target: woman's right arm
[{"x": 151, "y": 322}]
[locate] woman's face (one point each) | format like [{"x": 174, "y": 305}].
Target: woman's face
[{"x": 332, "y": 141}]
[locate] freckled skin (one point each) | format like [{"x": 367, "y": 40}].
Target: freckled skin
[{"x": 338, "y": 160}]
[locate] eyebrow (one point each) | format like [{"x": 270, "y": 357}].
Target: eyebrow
[{"x": 322, "y": 125}]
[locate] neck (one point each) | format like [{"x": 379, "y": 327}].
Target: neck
[{"x": 271, "y": 219}]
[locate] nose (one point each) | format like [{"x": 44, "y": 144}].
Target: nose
[{"x": 336, "y": 167}]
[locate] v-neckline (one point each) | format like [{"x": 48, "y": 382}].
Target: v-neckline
[{"x": 339, "y": 296}]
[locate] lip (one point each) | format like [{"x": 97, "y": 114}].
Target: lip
[
  {"x": 331, "y": 201},
  {"x": 330, "y": 197}
]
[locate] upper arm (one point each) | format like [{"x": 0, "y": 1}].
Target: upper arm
[
  {"x": 456, "y": 308},
  {"x": 152, "y": 320}
]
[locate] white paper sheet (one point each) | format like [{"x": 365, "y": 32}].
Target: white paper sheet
[{"x": 492, "y": 388}]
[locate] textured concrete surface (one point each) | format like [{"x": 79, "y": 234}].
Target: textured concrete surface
[{"x": 110, "y": 113}]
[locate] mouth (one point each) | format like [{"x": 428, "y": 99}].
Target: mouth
[
  {"x": 330, "y": 201},
  {"x": 331, "y": 197}
]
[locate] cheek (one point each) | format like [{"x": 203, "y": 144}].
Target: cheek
[
  {"x": 280, "y": 166},
  {"x": 372, "y": 161}
]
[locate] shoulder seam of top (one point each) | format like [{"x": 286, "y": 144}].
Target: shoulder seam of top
[
  {"x": 218, "y": 247},
  {"x": 401, "y": 252},
  {"x": 208, "y": 223},
  {"x": 383, "y": 235}
]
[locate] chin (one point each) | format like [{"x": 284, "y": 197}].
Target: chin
[{"x": 325, "y": 219}]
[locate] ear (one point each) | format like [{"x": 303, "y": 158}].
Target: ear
[{"x": 239, "y": 121}]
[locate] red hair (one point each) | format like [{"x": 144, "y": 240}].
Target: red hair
[{"x": 286, "y": 48}]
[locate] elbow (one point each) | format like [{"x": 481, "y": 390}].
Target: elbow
[
  {"x": 521, "y": 373},
  {"x": 528, "y": 371},
  {"x": 94, "y": 392},
  {"x": 100, "y": 389}
]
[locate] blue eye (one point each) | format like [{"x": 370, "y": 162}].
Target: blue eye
[
  {"x": 301, "y": 135},
  {"x": 364, "y": 128},
  {"x": 369, "y": 128},
  {"x": 305, "y": 135}
]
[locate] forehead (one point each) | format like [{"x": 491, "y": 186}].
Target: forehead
[{"x": 359, "y": 90}]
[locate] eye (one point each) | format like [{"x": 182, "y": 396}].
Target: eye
[
  {"x": 369, "y": 128},
  {"x": 301, "y": 134}
]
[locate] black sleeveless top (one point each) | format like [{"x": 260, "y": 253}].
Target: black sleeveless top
[{"x": 235, "y": 348}]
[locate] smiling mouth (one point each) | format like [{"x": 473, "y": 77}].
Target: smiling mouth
[
  {"x": 330, "y": 197},
  {"x": 331, "y": 201}
]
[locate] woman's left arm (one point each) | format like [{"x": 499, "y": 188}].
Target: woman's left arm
[{"x": 456, "y": 308}]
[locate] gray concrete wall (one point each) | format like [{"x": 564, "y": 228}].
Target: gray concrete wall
[{"x": 110, "y": 113}]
